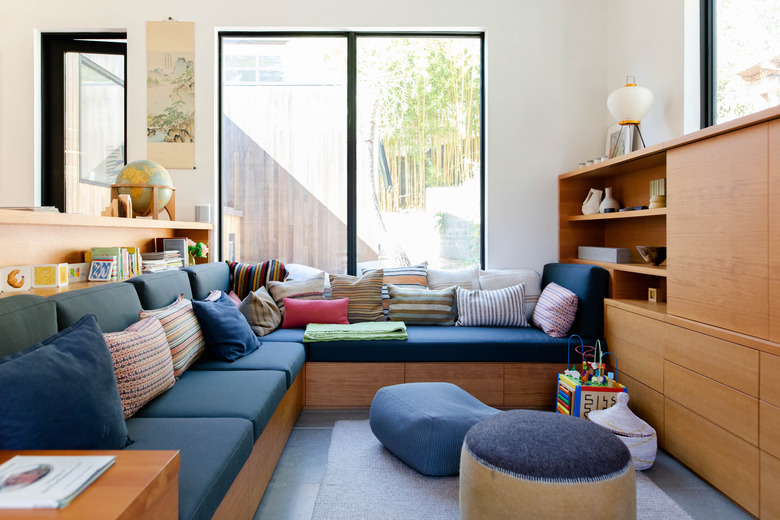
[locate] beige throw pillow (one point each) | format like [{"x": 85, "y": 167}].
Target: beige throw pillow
[{"x": 261, "y": 312}]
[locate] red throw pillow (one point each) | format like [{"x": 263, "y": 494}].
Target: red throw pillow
[{"x": 299, "y": 313}]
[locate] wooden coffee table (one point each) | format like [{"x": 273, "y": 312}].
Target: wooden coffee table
[{"x": 140, "y": 485}]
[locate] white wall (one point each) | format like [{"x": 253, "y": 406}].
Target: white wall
[{"x": 550, "y": 67}]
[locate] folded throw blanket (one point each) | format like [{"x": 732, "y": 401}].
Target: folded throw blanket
[{"x": 355, "y": 331}]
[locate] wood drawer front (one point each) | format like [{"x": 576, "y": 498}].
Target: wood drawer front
[
  {"x": 729, "y": 363},
  {"x": 770, "y": 484},
  {"x": 726, "y": 407},
  {"x": 531, "y": 385},
  {"x": 637, "y": 363},
  {"x": 770, "y": 378},
  {"x": 723, "y": 459},
  {"x": 769, "y": 437},
  {"x": 639, "y": 330},
  {"x": 646, "y": 403},
  {"x": 485, "y": 381},
  {"x": 349, "y": 384}
]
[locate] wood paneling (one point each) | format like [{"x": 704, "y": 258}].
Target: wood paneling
[
  {"x": 770, "y": 484},
  {"x": 726, "y": 461},
  {"x": 717, "y": 231},
  {"x": 770, "y": 379},
  {"x": 636, "y": 329},
  {"x": 531, "y": 385},
  {"x": 769, "y": 436},
  {"x": 731, "y": 364},
  {"x": 646, "y": 403},
  {"x": 485, "y": 381},
  {"x": 638, "y": 363},
  {"x": 333, "y": 385},
  {"x": 774, "y": 231}
]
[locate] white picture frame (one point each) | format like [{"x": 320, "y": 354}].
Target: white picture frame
[
  {"x": 15, "y": 278},
  {"x": 100, "y": 270}
]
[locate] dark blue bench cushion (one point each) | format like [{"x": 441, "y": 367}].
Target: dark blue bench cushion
[
  {"x": 211, "y": 452},
  {"x": 25, "y": 319},
  {"x": 115, "y": 305},
  {"x": 246, "y": 394},
  {"x": 591, "y": 285},
  {"x": 274, "y": 355},
  {"x": 158, "y": 290},
  {"x": 205, "y": 278}
]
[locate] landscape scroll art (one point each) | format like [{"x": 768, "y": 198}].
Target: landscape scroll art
[{"x": 170, "y": 97}]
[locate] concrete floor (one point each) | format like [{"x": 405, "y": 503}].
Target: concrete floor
[{"x": 296, "y": 481}]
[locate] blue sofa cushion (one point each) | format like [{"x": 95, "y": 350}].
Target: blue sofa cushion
[
  {"x": 246, "y": 394},
  {"x": 25, "y": 319},
  {"x": 591, "y": 285},
  {"x": 278, "y": 355},
  {"x": 158, "y": 290},
  {"x": 211, "y": 452},
  {"x": 227, "y": 333},
  {"x": 205, "y": 278},
  {"x": 64, "y": 394},
  {"x": 115, "y": 305}
]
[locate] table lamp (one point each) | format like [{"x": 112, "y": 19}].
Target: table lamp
[{"x": 629, "y": 105}]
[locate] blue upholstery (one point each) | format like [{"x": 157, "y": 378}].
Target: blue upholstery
[
  {"x": 591, "y": 285},
  {"x": 25, "y": 319},
  {"x": 281, "y": 356},
  {"x": 424, "y": 424},
  {"x": 211, "y": 453},
  {"x": 115, "y": 305},
  {"x": 205, "y": 278},
  {"x": 226, "y": 331},
  {"x": 246, "y": 394},
  {"x": 158, "y": 290}
]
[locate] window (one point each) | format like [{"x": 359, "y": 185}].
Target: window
[
  {"x": 84, "y": 131},
  {"x": 740, "y": 58},
  {"x": 401, "y": 184}
]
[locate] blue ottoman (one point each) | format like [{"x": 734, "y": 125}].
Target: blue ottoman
[{"x": 424, "y": 424}]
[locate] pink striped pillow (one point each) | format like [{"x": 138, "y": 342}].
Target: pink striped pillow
[
  {"x": 555, "y": 311},
  {"x": 497, "y": 308},
  {"x": 182, "y": 330},
  {"x": 142, "y": 363}
]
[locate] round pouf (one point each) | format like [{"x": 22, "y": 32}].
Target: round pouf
[
  {"x": 424, "y": 424},
  {"x": 529, "y": 464}
]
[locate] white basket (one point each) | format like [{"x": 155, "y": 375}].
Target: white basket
[{"x": 636, "y": 434}]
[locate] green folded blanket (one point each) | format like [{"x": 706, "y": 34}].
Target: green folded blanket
[{"x": 355, "y": 331}]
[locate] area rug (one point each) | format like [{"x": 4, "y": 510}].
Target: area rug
[{"x": 364, "y": 481}]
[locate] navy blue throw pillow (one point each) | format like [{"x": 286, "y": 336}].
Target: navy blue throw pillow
[
  {"x": 61, "y": 394},
  {"x": 228, "y": 335}
]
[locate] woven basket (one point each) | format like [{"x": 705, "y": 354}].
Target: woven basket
[{"x": 635, "y": 433}]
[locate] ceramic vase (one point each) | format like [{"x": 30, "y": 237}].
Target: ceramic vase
[
  {"x": 591, "y": 204},
  {"x": 609, "y": 204}
]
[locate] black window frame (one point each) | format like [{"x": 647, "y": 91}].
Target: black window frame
[
  {"x": 352, "y": 37},
  {"x": 707, "y": 48},
  {"x": 53, "y": 48}
]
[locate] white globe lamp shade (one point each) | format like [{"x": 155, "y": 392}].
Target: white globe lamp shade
[{"x": 631, "y": 103}]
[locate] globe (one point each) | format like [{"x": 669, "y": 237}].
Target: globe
[{"x": 145, "y": 172}]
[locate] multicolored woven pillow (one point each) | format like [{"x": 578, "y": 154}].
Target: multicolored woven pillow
[
  {"x": 411, "y": 277},
  {"x": 556, "y": 310},
  {"x": 142, "y": 363},
  {"x": 246, "y": 278},
  {"x": 185, "y": 339},
  {"x": 422, "y": 306},
  {"x": 311, "y": 289},
  {"x": 364, "y": 293}
]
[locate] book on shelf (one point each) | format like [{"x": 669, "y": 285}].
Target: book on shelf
[
  {"x": 48, "y": 481},
  {"x": 48, "y": 209},
  {"x": 161, "y": 260},
  {"x": 174, "y": 244}
]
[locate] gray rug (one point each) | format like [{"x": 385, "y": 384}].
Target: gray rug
[{"x": 364, "y": 481}]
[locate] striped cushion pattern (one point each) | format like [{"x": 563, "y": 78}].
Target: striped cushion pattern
[
  {"x": 556, "y": 310},
  {"x": 245, "y": 278},
  {"x": 413, "y": 277},
  {"x": 422, "y": 306},
  {"x": 364, "y": 293},
  {"x": 182, "y": 331},
  {"x": 311, "y": 289},
  {"x": 500, "y": 278},
  {"x": 142, "y": 363},
  {"x": 498, "y": 308}
]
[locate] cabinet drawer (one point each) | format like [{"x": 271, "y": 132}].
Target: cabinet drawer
[
  {"x": 531, "y": 385},
  {"x": 637, "y": 363},
  {"x": 485, "y": 381},
  {"x": 769, "y": 435},
  {"x": 724, "y": 406},
  {"x": 646, "y": 403},
  {"x": 636, "y": 329},
  {"x": 349, "y": 384},
  {"x": 770, "y": 483},
  {"x": 726, "y": 461},
  {"x": 770, "y": 378},
  {"x": 729, "y": 363}
]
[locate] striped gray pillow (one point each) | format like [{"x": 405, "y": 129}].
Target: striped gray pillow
[
  {"x": 497, "y": 308},
  {"x": 421, "y": 306}
]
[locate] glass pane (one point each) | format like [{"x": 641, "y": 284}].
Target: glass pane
[
  {"x": 418, "y": 151},
  {"x": 283, "y": 157},
  {"x": 94, "y": 129},
  {"x": 748, "y": 57}
]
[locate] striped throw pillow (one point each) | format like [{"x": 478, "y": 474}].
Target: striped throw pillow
[
  {"x": 311, "y": 289},
  {"x": 422, "y": 306},
  {"x": 364, "y": 293},
  {"x": 182, "y": 330},
  {"x": 142, "y": 363},
  {"x": 245, "y": 278},
  {"x": 412, "y": 277},
  {"x": 556, "y": 310},
  {"x": 498, "y": 308},
  {"x": 500, "y": 278}
]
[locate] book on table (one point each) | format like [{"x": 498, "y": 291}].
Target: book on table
[{"x": 31, "y": 482}]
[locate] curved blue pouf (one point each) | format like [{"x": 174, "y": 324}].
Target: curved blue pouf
[{"x": 424, "y": 424}]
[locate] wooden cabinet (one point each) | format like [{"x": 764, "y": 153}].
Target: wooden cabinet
[{"x": 774, "y": 231}]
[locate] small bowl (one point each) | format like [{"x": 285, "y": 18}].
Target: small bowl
[{"x": 651, "y": 254}]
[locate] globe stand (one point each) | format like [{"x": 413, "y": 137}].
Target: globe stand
[{"x": 153, "y": 208}]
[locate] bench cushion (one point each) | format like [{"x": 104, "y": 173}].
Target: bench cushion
[
  {"x": 285, "y": 357},
  {"x": 115, "y": 305},
  {"x": 157, "y": 290},
  {"x": 205, "y": 278},
  {"x": 25, "y": 319}
]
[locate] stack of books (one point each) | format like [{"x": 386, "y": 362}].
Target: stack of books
[
  {"x": 161, "y": 261},
  {"x": 127, "y": 260}
]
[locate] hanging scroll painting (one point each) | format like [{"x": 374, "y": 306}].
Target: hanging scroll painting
[{"x": 170, "y": 96}]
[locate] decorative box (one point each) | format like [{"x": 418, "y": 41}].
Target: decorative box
[
  {"x": 615, "y": 255},
  {"x": 635, "y": 433},
  {"x": 49, "y": 275}
]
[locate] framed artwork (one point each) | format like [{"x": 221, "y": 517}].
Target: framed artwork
[
  {"x": 15, "y": 278},
  {"x": 619, "y": 140},
  {"x": 101, "y": 270}
]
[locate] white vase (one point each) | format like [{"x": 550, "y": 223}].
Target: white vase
[
  {"x": 609, "y": 204},
  {"x": 591, "y": 204}
]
